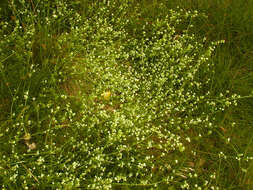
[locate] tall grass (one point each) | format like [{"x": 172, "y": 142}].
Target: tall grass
[{"x": 232, "y": 21}]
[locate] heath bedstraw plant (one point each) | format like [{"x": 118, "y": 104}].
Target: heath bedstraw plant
[{"x": 102, "y": 106}]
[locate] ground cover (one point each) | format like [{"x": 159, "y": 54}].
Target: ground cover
[{"x": 126, "y": 95}]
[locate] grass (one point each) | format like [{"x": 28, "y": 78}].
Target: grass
[
  {"x": 230, "y": 20},
  {"x": 100, "y": 95}
]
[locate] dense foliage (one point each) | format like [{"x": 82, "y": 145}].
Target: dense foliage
[{"x": 97, "y": 96}]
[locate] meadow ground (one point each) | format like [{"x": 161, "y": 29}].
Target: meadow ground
[{"x": 126, "y": 94}]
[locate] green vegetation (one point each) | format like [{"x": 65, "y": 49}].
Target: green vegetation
[{"x": 126, "y": 94}]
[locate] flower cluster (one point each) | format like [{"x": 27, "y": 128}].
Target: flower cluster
[{"x": 97, "y": 105}]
